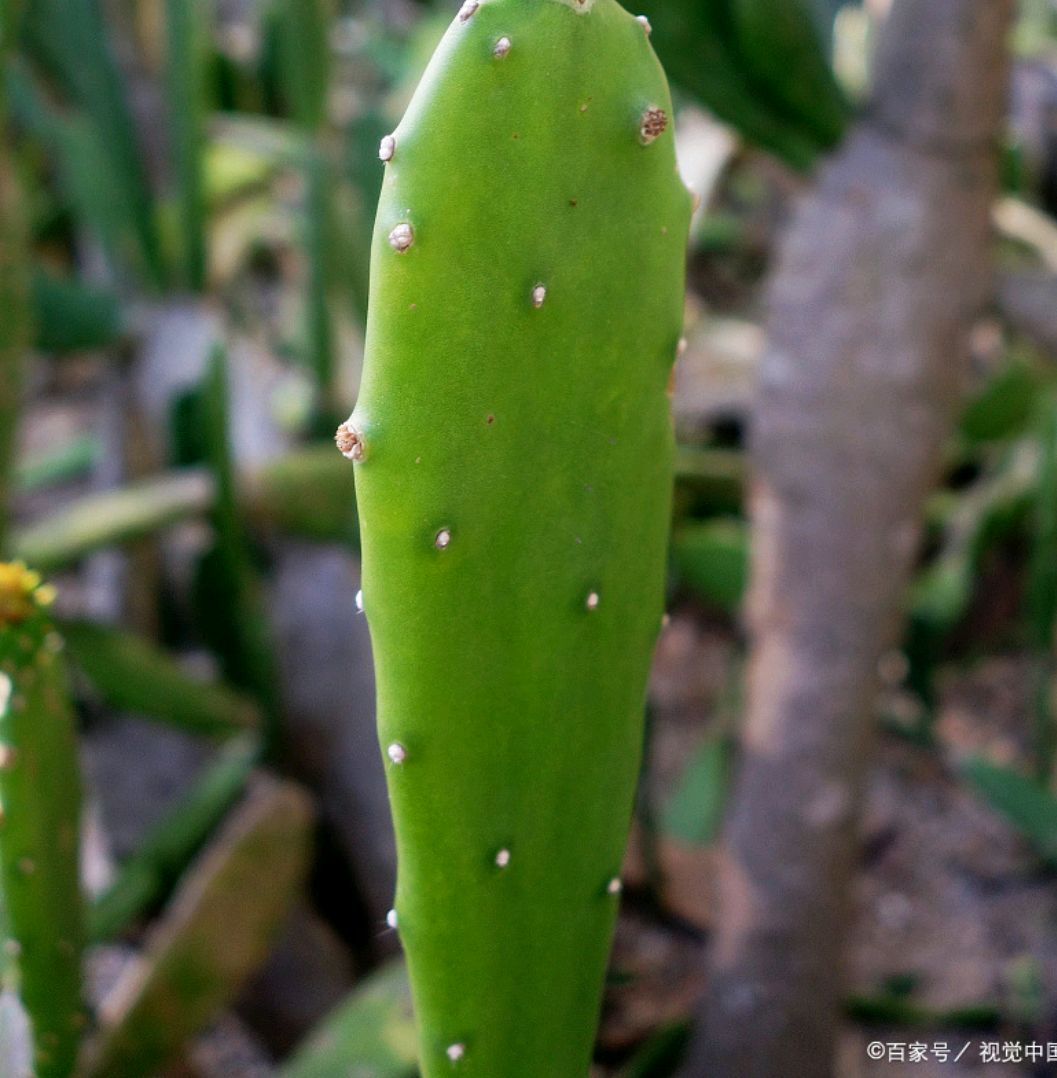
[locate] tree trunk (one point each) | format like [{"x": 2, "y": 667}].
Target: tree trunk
[{"x": 884, "y": 268}]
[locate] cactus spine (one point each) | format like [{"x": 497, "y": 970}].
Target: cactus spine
[
  {"x": 513, "y": 454},
  {"x": 39, "y": 827}
]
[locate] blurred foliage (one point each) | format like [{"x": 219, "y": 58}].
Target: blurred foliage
[
  {"x": 70, "y": 316},
  {"x": 1026, "y": 804},
  {"x": 145, "y": 880},
  {"x": 695, "y": 809},
  {"x": 372, "y": 1032},
  {"x": 759, "y": 65}
]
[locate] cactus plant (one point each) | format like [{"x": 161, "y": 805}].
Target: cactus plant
[
  {"x": 40, "y": 799},
  {"x": 216, "y": 932},
  {"x": 513, "y": 453},
  {"x": 151, "y": 872}
]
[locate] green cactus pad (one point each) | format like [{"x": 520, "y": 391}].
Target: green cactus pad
[
  {"x": 513, "y": 453},
  {"x": 39, "y": 826}
]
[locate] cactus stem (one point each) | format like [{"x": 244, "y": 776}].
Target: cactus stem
[
  {"x": 396, "y": 752},
  {"x": 654, "y": 123},
  {"x": 359, "y": 601},
  {"x": 502, "y": 858},
  {"x": 644, "y": 23},
  {"x": 593, "y": 599},
  {"x": 539, "y": 294},
  {"x": 443, "y": 539},
  {"x": 401, "y": 238},
  {"x": 502, "y": 47},
  {"x": 615, "y": 886},
  {"x": 455, "y": 1052},
  {"x": 386, "y": 148},
  {"x": 467, "y": 10},
  {"x": 391, "y": 919}
]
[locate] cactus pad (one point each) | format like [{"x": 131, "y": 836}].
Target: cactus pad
[{"x": 513, "y": 455}]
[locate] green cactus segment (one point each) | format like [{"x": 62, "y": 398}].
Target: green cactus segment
[
  {"x": 217, "y": 931},
  {"x": 39, "y": 827},
  {"x": 151, "y": 872},
  {"x": 514, "y": 465},
  {"x": 132, "y": 674}
]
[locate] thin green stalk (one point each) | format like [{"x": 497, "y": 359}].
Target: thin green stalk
[
  {"x": 187, "y": 25},
  {"x": 1042, "y": 592},
  {"x": 304, "y": 57},
  {"x": 15, "y": 326},
  {"x": 319, "y": 331},
  {"x": 69, "y": 39},
  {"x": 146, "y": 879},
  {"x": 230, "y": 583}
]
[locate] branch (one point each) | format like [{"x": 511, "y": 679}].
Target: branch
[{"x": 881, "y": 275}]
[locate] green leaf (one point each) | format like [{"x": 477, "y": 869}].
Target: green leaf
[
  {"x": 1004, "y": 407},
  {"x": 712, "y": 559},
  {"x": 187, "y": 39},
  {"x": 1027, "y": 805},
  {"x": 147, "y": 877},
  {"x": 697, "y": 43},
  {"x": 662, "y": 1053},
  {"x": 69, "y": 40},
  {"x": 695, "y": 811},
  {"x": 372, "y": 1032},
  {"x": 218, "y": 929},
  {"x": 70, "y": 316},
  {"x": 781, "y": 46},
  {"x": 133, "y": 675},
  {"x": 228, "y": 588},
  {"x": 67, "y": 461},
  {"x": 114, "y": 516}
]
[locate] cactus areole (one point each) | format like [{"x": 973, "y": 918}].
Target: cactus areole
[{"x": 513, "y": 454}]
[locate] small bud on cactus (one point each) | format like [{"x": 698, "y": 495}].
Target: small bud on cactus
[
  {"x": 654, "y": 123},
  {"x": 349, "y": 442}
]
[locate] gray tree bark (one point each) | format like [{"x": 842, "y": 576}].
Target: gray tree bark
[{"x": 882, "y": 272}]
